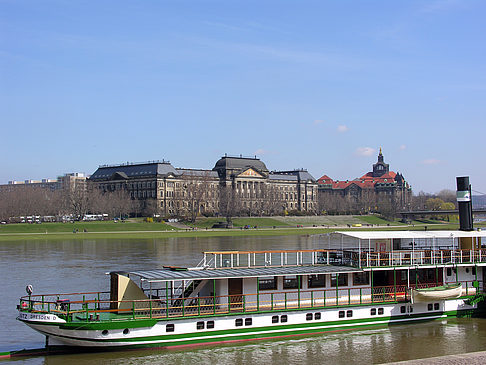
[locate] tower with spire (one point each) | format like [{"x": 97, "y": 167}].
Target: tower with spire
[{"x": 380, "y": 167}]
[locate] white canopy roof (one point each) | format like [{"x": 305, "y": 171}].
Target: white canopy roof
[{"x": 379, "y": 235}]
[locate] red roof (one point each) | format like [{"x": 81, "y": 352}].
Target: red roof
[{"x": 367, "y": 181}]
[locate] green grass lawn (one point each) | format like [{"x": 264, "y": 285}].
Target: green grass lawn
[
  {"x": 105, "y": 226},
  {"x": 241, "y": 222}
]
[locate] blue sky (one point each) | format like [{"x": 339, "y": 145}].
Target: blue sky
[{"x": 320, "y": 85}]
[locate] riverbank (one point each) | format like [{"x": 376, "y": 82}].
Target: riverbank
[{"x": 147, "y": 231}]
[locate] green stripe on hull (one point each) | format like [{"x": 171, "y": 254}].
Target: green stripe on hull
[{"x": 235, "y": 335}]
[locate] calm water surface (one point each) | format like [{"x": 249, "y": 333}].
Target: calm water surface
[{"x": 69, "y": 266}]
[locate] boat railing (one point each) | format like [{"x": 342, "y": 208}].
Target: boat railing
[
  {"x": 355, "y": 257},
  {"x": 271, "y": 258},
  {"x": 92, "y": 307},
  {"x": 414, "y": 257}
]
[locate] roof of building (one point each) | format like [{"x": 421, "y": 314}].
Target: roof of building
[
  {"x": 239, "y": 163},
  {"x": 168, "y": 274},
  {"x": 134, "y": 170},
  {"x": 198, "y": 173}
]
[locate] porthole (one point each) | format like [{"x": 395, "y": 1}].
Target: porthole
[
  {"x": 126, "y": 331},
  {"x": 317, "y": 315},
  {"x": 239, "y": 322},
  {"x": 308, "y": 317},
  {"x": 341, "y": 314},
  {"x": 283, "y": 318},
  {"x": 105, "y": 332},
  {"x": 380, "y": 311},
  {"x": 373, "y": 311},
  {"x": 170, "y": 327},
  {"x": 209, "y": 324},
  {"x": 248, "y": 321},
  {"x": 349, "y": 313},
  {"x": 200, "y": 325},
  {"x": 274, "y": 319}
]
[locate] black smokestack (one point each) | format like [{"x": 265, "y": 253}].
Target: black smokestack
[{"x": 465, "y": 203}]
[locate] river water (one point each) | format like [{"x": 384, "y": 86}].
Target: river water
[{"x": 77, "y": 266}]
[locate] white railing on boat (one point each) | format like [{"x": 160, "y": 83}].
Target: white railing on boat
[{"x": 363, "y": 259}]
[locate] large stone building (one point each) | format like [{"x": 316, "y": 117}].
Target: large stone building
[
  {"x": 376, "y": 188},
  {"x": 66, "y": 181},
  {"x": 235, "y": 186}
]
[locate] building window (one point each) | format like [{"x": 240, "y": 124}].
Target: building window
[
  {"x": 267, "y": 283},
  {"x": 361, "y": 278},
  {"x": 291, "y": 282},
  {"x": 341, "y": 279},
  {"x": 316, "y": 281}
]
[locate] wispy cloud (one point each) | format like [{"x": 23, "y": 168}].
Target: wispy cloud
[
  {"x": 441, "y": 5},
  {"x": 261, "y": 152},
  {"x": 365, "y": 151},
  {"x": 342, "y": 128},
  {"x": 318, "y": 121},
  {"x": 431, "y": 161},
  {"x": 402, "y": 147}
]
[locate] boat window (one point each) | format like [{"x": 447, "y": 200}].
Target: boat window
[
  {"x": 373, "y": 311},
  {"x": 239, "y": 322},
  {"x": 341, "y": 314},
  {"x": 449, "y": 271},
  {"x": 342, "y": 279},
  {"x": 200, "y": 325},
  {"x": 316, "y": 281},
  {"x": 126, "y": 331},
  {"x": 349, "y": 313},
  {"x": 361, "y": 278},
  {"x": 248, "y": 321},
  {"x": 104, "y": 333},
  {"x": 402, "y": 309},
  {"x": 467, "y": 270},
  {"x": 274, "y": 319},
  {"x": 267, "y": 283},
  {"x": 308, "y": 317},
  {"x": 170, "y": 327},
  {"x": 473, "y": 271},
  {"x": 317, "y": 315},
  {"x": 436, "y": 306},
  {"x": 210, "y": 324},
  {"x": 380, "y": 311},
  {"x": 283, "y": 318},
  {"x": 429, "y": 306},
  {"x": 291, "y": 282},
  {"x": 410, "y": 309}
]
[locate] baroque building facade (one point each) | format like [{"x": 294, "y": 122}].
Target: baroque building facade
[
  {"x": 235, "y": 186},
  {"x": 379, "y": 188}
]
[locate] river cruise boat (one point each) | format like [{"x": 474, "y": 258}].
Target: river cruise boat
[{"x": 362, "y": 279}]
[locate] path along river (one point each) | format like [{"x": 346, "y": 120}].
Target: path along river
[{"x": 70, "y": 266}]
